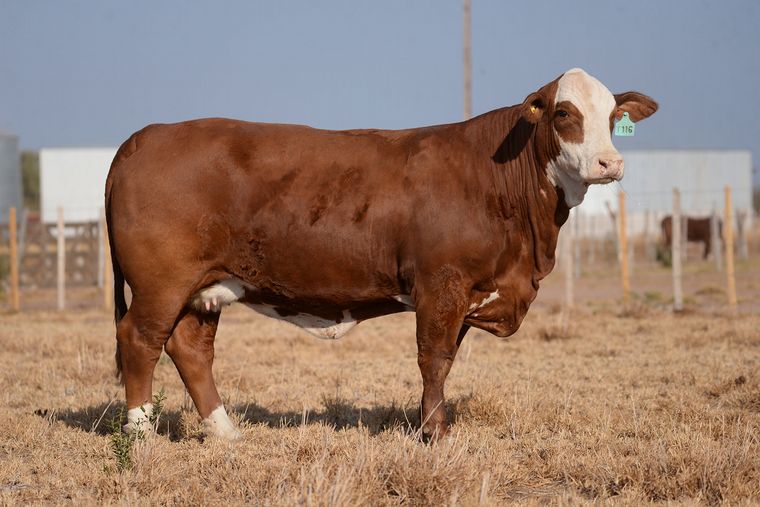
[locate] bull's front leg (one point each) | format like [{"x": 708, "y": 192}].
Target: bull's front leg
[{"x": 440, "y": 311}]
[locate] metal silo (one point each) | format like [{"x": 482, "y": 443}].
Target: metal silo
[{"x": 10, "y": 176}]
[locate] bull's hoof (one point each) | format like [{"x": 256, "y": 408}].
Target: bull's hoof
[
  {"x": 218, "y": 424},
  {"x": 433, "y": 433}
]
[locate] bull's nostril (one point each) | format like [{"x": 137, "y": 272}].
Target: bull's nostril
[{"x": 603, "y": 163}]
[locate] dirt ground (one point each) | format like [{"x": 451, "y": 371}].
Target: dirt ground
[{"x": 628, "y": 405}]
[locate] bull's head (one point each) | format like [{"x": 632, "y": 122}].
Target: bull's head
[{"x": 574, "y": 117}]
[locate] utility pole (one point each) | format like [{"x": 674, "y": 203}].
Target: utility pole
[{"x": 467, "y": 45}]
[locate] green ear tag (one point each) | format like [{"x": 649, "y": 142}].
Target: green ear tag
[{"x": 625, "y": 127}]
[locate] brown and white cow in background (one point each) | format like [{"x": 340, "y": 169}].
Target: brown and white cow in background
[
  {"x": 698, "y": 230},
  {"x": 325, "y": 229}
]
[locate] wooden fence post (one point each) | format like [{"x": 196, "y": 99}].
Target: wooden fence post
[
  {"x": 593, "y": 243},
  {"x": 647, "y": 234},
  {"x": 107, "y": 274},
  {"x": 61, "y": 251},
  {"x": 741, "y": 234},
  {"x": 569, "y": 254},
  {"x": 615, "y": 232},
  {"x": 728, "y": 231},
  {"x": 22, "y": 238},
  {"x": 717, "y": 248},
  {"x": 623, "y": 231},
  {"x": 12, "y": 231},
  {"x": 576, "y": 214},
  {"x": 101, "y": 250},
  {"x": 675, "y": 256}
]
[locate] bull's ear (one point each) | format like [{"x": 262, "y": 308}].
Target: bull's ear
[
  {"x": 637, "y": 105},
  {"x": 533, "y": 107}
]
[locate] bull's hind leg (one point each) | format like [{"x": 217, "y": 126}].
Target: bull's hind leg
[
  {"x": 191, "y": 347},
  {"x": 141, "y": 335}
]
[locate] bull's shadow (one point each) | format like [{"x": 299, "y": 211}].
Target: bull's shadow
[
  {"x": 339, "y": 414},
  {"x": 99, "y": 419}
]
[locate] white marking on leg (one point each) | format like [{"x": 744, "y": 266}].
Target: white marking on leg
[
  {"x": 138, "y": 418},
  {"x": 219, "y": 424}
]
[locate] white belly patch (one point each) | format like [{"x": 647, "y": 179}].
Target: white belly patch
[
  {"x": 318, "y": 326},
  {"x": 212, "y": 299}
]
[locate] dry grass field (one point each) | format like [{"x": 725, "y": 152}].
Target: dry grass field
[{"x": 628, "y": 406}]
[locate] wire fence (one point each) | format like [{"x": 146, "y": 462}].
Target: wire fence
[{"x": 655, "y": 252}]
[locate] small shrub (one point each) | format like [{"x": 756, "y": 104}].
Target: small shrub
[
  {"x": 121, "y": 442},
  {"x": 158, "y": 407},
  {"x": 664, "y": 256},
  {"x": 653, "y": 296}
]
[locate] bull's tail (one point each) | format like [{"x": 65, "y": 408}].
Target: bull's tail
[
  {"x": 119, "y": 299},
  {"x": 120, "y": 305}
]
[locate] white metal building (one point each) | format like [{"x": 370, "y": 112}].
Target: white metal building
[
  {"x": 651, "y": 175},
  {"x": 74, "y": 178}
]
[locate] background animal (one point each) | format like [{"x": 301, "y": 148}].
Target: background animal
[{"x": 697, "y": 230}]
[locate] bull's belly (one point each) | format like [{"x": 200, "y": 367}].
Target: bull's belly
[{"x": 332, "y": 323}]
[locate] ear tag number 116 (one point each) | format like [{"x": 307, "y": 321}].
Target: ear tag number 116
[{"x": 625, "y": 127}]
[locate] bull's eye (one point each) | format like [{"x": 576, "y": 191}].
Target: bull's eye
[{"x": 562, "y": 113}]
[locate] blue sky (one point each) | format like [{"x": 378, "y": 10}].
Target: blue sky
[{"x": 88, "y": 73}]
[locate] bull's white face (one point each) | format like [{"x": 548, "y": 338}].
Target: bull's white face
[{"x": 582, "y": 121}]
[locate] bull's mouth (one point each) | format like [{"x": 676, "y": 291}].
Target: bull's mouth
[{"x": 599, "y": 181}]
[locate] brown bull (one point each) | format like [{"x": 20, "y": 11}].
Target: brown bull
[
  {"x": 698, "y": 230},
  {"x": 325, "y": 229}
]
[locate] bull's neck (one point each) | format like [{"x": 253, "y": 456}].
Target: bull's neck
[{"x": 518, "y": 163}]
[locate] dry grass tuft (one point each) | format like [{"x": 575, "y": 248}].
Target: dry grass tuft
[
  {"x": 636, "y": 309},
  {"x": 553, "y": 332}
]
